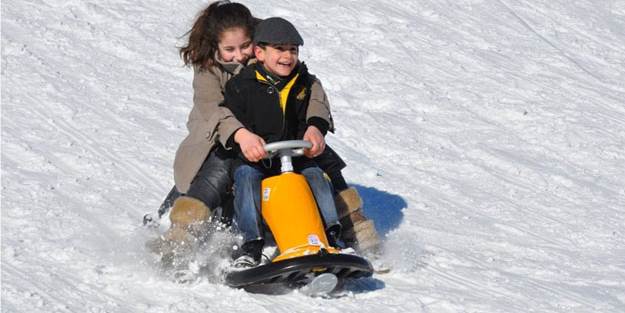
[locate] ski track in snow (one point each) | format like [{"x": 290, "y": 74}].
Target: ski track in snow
[{"x": 486, "y": 137}]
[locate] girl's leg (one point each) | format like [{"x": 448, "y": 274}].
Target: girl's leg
[
  {"x": 213, "y": 180},
  {"x": 358, "y": 231},
  {"x": 338, "y": 181},
  {"x": 191, "y": 211},
  {"x": 332, "y": 164},
  {"x": 169, "y": 201}
]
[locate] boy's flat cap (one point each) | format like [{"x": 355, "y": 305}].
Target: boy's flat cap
[{"x": 276, "y": 30}]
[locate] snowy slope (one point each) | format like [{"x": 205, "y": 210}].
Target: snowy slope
[{"x": 487, "y": 138}]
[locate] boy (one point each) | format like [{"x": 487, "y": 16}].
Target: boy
[{"x": 270, "y": 99}]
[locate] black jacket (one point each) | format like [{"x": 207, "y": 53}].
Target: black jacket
[{"x": 256, "y": 104}]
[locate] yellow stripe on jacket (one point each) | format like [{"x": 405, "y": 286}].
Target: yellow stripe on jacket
[{"x": 284, "y": 93}]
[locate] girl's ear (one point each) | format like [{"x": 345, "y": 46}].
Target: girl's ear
[{"x": 259, "y": 53}]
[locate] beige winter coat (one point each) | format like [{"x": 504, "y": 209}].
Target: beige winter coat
[{"x": 209, "y": 123}]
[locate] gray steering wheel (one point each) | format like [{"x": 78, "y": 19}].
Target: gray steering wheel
[
  {"x": 286, "y": 150},
  {"x": 288, "y": 147}
]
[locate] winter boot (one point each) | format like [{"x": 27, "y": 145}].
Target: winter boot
[
  {"x": 358, "y": 231},
  {"x": 248, "y": 255},
  {"x": 189, "y": 217}
]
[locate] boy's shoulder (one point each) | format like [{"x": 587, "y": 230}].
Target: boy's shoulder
[
  {"x": 247, "y": 73},
  {"x": 307, "y": 78},
  {"x": 245, "y": 78},
  {"x": 310, "y": 77}
]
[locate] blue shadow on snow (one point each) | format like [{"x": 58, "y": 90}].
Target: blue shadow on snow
[{"x": 383, "y": 208}]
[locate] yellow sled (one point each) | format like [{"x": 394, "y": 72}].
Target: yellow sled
[{"x": 290, "y": 211}]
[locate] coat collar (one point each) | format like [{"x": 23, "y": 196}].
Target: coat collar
[
  {"x": 232, "y": 67},
  {"x": 250, "y": 72}
]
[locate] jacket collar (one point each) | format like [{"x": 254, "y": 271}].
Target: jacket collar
[
  {"x": 232, "y": 67},
  {"x": 276, "y": 81}
]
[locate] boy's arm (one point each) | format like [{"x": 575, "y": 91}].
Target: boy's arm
[
  {"x": 314, "y": 135},
  {"x": 232, "y": 103},
  {"x": 250, "y": 144}
]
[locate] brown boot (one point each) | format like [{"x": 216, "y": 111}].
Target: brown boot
[
  {"x": 358, "y": 231},
  {"x": 188, "y": 218}
]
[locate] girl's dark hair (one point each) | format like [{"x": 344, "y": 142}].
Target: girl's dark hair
[{"x": 204, "y": 35}]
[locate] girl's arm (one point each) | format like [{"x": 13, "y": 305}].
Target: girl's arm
[{"x": 207, "y": 96}]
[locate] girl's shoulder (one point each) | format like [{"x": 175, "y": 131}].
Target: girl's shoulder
[
  {"x": 207, "y": 70},
  {"x": 211, "y": 78}
]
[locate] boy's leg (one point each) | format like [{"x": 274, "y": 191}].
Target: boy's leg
[
  {"x": 323, "y": 195},
  {"x": 247, "y": 184}
]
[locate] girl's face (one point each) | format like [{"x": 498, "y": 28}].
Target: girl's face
[{"x": 235, "y": 45}]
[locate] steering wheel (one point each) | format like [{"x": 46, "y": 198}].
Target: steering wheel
[
  {"x": 286, "y": 150},
  {"x": 287, "y": 147}
]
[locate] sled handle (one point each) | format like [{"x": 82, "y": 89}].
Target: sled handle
[
  {"x": 286, "y": 150},
  {"x": 296, "y": 146}
]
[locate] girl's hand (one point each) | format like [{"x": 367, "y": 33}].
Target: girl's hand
[
  {"x": 251, "y": 145},
  {"x": 314, "y": 135}
]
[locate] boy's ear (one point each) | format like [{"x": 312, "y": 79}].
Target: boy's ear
[{"x": 259, "y": 53}]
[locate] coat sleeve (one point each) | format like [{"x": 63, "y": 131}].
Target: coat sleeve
[
  {"x": 207, "y": 96},
  {"x": 318, "y": 105},
  {"x": 234, "y": 104}
]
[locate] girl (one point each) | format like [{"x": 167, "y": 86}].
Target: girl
[{"x": 219, "y": 46}]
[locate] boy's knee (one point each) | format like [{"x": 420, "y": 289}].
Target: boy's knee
[
  {"x": 313, "y": 173},
  {"x": 245, "y": 172}
]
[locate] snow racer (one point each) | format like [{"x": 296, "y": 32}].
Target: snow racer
[{"x": 305, "y": 258}]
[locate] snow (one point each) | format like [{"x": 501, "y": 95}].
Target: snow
[{"x": 485, "y": 136}]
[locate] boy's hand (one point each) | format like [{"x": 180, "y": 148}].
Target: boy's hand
[
  {"x": 314, "y": 135},
  {"x": 251, "y": 145}
]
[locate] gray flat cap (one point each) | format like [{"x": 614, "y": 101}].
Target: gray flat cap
[{"x": 276, "y": 30}]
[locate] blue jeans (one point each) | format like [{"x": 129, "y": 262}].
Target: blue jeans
[{"x": 247, "y": 184}]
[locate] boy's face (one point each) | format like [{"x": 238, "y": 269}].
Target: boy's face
[{"x": 278, "y": 59}]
